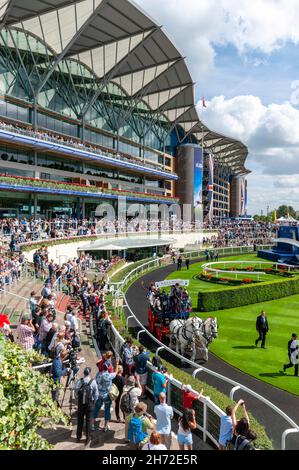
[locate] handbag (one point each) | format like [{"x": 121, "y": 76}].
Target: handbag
[{"x": 114, "y": 392}]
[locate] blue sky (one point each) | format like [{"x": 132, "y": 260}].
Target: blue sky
[
  {"x": 258, "y": 74},
  {"x": 244, "y": 56}
]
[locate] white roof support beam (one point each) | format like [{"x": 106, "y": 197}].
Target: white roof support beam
[
  {"x": 108, "y": 78},
  {"x": 69, "y": 45}
]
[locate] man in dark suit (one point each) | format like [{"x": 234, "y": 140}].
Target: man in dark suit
[{"x": 263, "y": 328}]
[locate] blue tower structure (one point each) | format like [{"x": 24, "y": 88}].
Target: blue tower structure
[{"x": 287, "y": 249}]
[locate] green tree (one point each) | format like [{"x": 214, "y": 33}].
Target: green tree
[
  {"x": 285, "y": 211},
  {"x": 262, "y": 218},
  {"x": 26, "y": 404}
]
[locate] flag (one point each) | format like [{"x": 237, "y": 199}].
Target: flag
[
  {"x": 275, "y": 216},
  {"x": 211, "y": 188},
  {"x": 203, "y": 102}
]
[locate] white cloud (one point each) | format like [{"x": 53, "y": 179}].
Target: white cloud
[
  {"x": 198, "y": 26},
  {"x": 271, "y": 133}
]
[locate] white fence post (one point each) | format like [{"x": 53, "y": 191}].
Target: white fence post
[{"x": 205, "y": 420}]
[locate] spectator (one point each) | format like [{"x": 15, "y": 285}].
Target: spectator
[
  {"x": 139, "y": 425},
  {"x": 189, "y": 396},
  {"x": 104, "y": 383},
  {"x": 45, "y": 327},
  {"x": 74, "y": 321},
  {"x": 119, "y": 381},
  {"x": 106, "y": 360},
  {"x": 154, "y": 443},
  {"x": 164, "y": 415},
  {"x": 50, "y": 335},
  {"x": 33, "y": 303},
  {"x": 58, "y": 371},
  {"x": 87, "y": 394},
  {"x": 241, "y": 429},
  {"x": 226, "y": 429},
  {"x": 160, "y": 383},
  {"x": 25, "y": 332},
  {"x": 141, "y": 368},
  {"x": 245, "y": 444},
  {"x": 127, "y": 357},
  {"x": 102, "y": 331},
  {"x": 187, "y": 423},
  {"x": 131, "y": 393},
  {"x": 46, "y": 291}
]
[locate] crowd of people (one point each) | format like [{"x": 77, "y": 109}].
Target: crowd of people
[
  {"x": 242, "y": 233},
  {"x": 124, "y": 387},
  {"x": 16, "y": 231},
  {"x": 11, "y": 268},
  {"x": 120, "y": 381},
  {"x": 72, "y": 142}
]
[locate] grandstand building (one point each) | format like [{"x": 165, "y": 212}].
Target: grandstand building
[{"x": 96, "y": 103}]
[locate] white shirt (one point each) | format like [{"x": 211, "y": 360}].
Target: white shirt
[
  {"x": 74, "y": 323},
  {"x": 149, "y": 446},
  {"x": 135, "y": 393}
]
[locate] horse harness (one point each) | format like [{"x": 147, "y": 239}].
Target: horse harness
[
  {"x": 204, "y": 333},
  {"x": 185, "y": 331}
]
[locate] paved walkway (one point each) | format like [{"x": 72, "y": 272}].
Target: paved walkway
[{"x": 274, "y": 424}]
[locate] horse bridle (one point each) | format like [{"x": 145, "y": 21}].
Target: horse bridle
[
  {"x": 206, "y": 337},
  {"x": 185, "y": 330}
]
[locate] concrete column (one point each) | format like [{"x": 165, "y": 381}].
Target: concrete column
[
  {"x": 35, "y": 205},
  {"x": 83, "y": 208}
]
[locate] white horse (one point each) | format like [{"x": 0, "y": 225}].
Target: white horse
[
  {"x": 186, "y": 332},
  {"x": 195, "y": 333},
  {"x": 209, "y": 332}
]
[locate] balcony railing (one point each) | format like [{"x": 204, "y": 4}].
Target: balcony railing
[
  {"x": 94, "y": 152},
  {"x": 19, "y": 183}
]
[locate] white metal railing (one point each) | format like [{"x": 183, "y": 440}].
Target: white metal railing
[
  {"x": 154, "y": 263},
  {"x": 107, "y": 235},
  {"x": 25, "y": 305},
  {"x": 207, "y": 267},
  {"x": 44, "y": 137},
  {"x": 236, "y": 385},
  {"x": 158, "y": 262}
]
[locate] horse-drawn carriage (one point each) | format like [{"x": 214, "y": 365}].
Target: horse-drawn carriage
[
  {"x": 164, "y": 308},
  {"x": 169, "y": 317}
]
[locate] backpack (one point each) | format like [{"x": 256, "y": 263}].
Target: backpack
[
  {"x": 85, "y": 393},
  {"x": 76, "y": 342},
  {"x": 242, "y": 443},
  {"x": 126, "y": 402},
  {"x": 114, "y": 392},
  {"x": 135, "y": 432}
]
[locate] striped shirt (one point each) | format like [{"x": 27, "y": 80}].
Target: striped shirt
[{"x": 25, "y": 336}]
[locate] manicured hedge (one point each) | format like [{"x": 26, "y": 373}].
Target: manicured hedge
[{"x": 246, "y": 295}]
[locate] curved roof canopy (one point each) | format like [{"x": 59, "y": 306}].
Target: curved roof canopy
[{"x": 120, "y": 43}]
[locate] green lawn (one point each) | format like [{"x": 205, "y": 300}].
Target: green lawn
[
  {"x": 197, "y": 285},
  {"x": 235, "y": 343}
]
